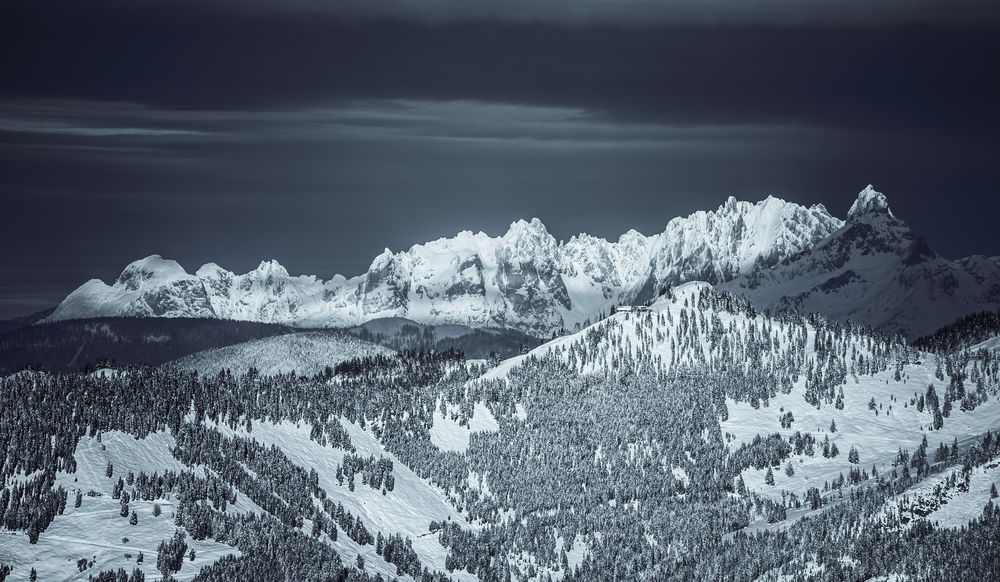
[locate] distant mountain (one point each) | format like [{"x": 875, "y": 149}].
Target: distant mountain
[
  {"x": 65, "y": 346},
  {"x": 476, "y": 343},
  {"x": 964, "y": 333},
  {"x": 308, "y": 353},
  {"x": 871, "y": 267},
  {"x": 875, "y": 269},
  {"x": 25, "y": 320},
  {"x": 523, "y": 280}
]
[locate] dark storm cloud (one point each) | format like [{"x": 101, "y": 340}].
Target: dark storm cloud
[
  {"x": 318, "y": 134},
  {"x": 630, "y": 12},
  {"x": 200, "y": 58}
]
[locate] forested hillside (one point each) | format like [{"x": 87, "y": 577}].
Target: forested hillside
[
  {"x": 696, "y": 440},
  {"x": 68, "y": 346}
]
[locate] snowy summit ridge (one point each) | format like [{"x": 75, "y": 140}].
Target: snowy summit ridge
[
  {"x": 869, "y": 201},
  {"x": 773, "y": 251}
]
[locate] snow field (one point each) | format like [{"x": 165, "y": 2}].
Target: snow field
[
  {"x": 96, "y": 531},
  {"x": 407, "y": 510}
]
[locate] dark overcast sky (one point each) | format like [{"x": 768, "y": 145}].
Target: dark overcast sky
[{"x": 319, "y": 132}]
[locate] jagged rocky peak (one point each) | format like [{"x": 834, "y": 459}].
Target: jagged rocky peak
[
  {"x": 385, "y": 262},
  {"x": 529, "y": 236},
  {"x": 870, "y": 202},
  {"x": 212, "y": 271},
  {"x": 719, "y": 245},
  {"x": 527, "y": 279},
  {"x": 272, "y": 268},
  {"x": 533, "y": 227},
  {"x": 632, "y": 237}
]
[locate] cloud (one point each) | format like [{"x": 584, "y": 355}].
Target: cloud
[
  {"x": 861, "y": 76},
  {"x": 399, "y": 121},
  {"x": 62, "y": 128},
  {"x": 641, "y": 12},
  {"x": 88, "y": 119}
]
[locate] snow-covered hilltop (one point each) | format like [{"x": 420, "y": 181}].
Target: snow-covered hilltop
[
  {"x": 307, "y": 352},
  {"x": 777, "y": 253}
]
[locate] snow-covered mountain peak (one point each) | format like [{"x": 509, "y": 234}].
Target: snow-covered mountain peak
[
  {"x": 719, "y": 245},
  {"x": 151, "y": 270},
  {"x": 869, "y": 202},
  {"x": 729, "y": 205},
  {"x": 271, "y": 268},
  {"x": 631, "y": 237},
  {"x": 212, "y": 271},
  {"x": 875, "y": 269},
  {"x": 527, "y": 230},
  {"x": 384, "y": 258},
  {"x": 527, "y": 242},
  {"x": 778, "y": 253},
  {"x": 820, "y": 208}
]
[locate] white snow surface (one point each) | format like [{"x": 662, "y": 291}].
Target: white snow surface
[
  {"x": 95, "y": 530},
  {"x": 991, "y": 345},
  {"x": 448, "y": 435},
  {"x": 948, "y": 507}
]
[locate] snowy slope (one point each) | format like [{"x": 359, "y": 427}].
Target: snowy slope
[
  {"x": 304, "y": 353},
  {"x": 524, "y": 279},
  {"x": 448, "y": 435},
  {"x": 96, "y": 531},
  {"x": 947, "y": 499},
  {"x": 408, "y": 510},
  {"x": 877, "y": 437},
  {"x": 992, "y": 345},
  {"x": 875, "y": 269}
]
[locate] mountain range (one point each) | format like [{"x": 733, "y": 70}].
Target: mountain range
[{"x": 870, "y": 267}]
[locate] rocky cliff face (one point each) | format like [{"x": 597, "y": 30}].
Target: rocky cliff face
[
  {"x": 876, "y": 270},
  {"x": 735, "y": 239},
  {"x": 780, "y": 254}
]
